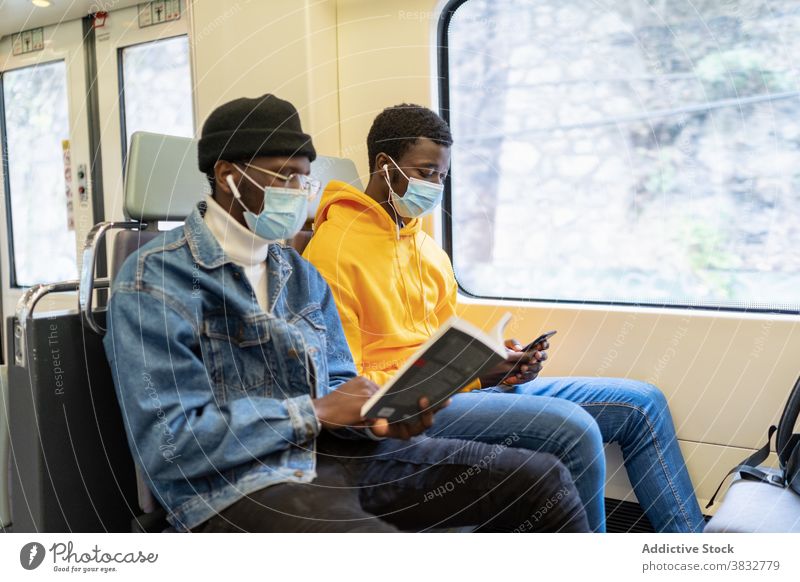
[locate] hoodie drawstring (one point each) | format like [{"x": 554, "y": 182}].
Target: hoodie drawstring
[
  {"x": 409, "y": 311},
  {"x": 408, "y": 317},
  {"x": 422, "y": 288}
]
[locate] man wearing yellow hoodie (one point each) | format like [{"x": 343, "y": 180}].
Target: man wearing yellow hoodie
[{"x": 394, "y": 286}]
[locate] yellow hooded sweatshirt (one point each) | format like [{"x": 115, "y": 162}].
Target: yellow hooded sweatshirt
[{"x": 393, "y": 286}]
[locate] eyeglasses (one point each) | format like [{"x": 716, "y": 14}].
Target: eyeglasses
[{"x": 308, "y": 184}]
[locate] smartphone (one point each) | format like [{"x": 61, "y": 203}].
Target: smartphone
[{"x": 545, "y": 336}]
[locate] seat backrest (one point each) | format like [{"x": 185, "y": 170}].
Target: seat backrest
[
  {"x": 125, "y": 243},
  {"x": 162, "y": 180},
  {"x": 325, "y": 169}
]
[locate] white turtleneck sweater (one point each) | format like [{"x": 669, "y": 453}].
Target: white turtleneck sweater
[{"x": 241, "y": 246}]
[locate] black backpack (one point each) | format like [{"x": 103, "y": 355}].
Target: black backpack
[{"x": 787, "y": 445}]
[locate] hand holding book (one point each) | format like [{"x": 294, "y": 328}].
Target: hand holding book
[
  {"x": 341, "y": 408},
  {"x": 411, "y": 426}
]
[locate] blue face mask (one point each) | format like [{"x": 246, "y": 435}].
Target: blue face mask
[
  {"x": 283, "y": 214},
  {"x": 420, "y": 198}
]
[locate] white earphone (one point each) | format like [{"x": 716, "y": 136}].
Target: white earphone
[{"x": 233, "y": 187}]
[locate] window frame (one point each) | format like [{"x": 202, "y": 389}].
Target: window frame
[{"x": 443, "y": 86}]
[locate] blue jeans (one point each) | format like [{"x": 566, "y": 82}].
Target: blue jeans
[{"x": 571, "y": 418}]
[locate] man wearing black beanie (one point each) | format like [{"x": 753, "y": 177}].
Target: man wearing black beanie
[{"x": 239, "y": 394}]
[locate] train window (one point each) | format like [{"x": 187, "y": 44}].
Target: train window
[
  {"x": 157, "y": 88},
  {"x": 36, "y": 125},
  {"x": 624, "y": 152}
]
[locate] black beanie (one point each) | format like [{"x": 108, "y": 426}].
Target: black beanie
[{"x": 246, "y": 128}]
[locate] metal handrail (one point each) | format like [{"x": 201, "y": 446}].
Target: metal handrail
[{"x": 87, "y": 282}]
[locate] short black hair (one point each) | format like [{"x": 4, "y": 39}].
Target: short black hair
[{"x": 397, "y": 128}]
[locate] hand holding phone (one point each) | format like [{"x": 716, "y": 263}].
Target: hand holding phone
[
  {"x": 531, "y": 347},
  {"x": 524, "y": 358}
]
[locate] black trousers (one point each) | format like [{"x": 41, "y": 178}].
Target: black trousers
[{"x": 415, "y": 485}]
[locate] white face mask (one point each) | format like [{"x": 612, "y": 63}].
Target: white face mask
[
  {"x": 283, "y": 214},
  {"x": 420, "y": 198}
]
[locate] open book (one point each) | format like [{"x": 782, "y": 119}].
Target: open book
[{"x": 453, "y": 357}]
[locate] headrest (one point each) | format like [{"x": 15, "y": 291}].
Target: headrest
[
  {"x": 162, "y": 181},
  {"x": 326, "y": 169}
]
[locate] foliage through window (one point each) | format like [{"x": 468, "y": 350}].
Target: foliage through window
[
  {"x": 36, "y": 123},
  {"x": 642, "y": 152},
  {"x": 158, "y": 88}
]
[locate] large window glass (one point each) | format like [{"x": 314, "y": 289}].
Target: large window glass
[
  {"x": 36, "y": 125},
  {"x": 157, "y": 90},
  {"x": 636, "y": 152}
]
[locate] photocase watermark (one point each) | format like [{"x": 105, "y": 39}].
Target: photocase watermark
[
  {"x": 473, "y": 470},
  {"x": 196, "y": 271},
  {"x": 67, "y": 559},
  {"x": 671, "y": 351},
  {"x": 382, "y": 365},
  {"x": 31, "y": 555},
  {"x": 619, "y": 342},
  {"x": 167, "y": 446},
  {"x": 428, "y": 15},
  {"x": 744, "y": 11},
  {"x": 221, "y": 18},
  {"x": 106, "y": 6},
  {"x": 54, "y": 348},
  {"x": 196, "y": 281},
  {"x": 416, "y": 15},
  {"x": 760, "y": 342},
  {"x": 551, "y": 502}
]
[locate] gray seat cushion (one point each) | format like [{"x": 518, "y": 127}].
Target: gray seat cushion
[{"x": 755, "y": 507}]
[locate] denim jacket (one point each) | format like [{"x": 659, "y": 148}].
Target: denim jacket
[{"x": 216, "y": 394}]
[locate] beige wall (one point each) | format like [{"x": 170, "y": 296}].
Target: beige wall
[
  {"x": 384, "y": 59},
  {"x": 251, "y": 47},
  {"x": 292, "y": 48}
]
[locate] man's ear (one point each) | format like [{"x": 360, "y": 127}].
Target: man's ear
[
  {"x": 382, "y": 160},
  {"x": 222, "y": 170}
]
